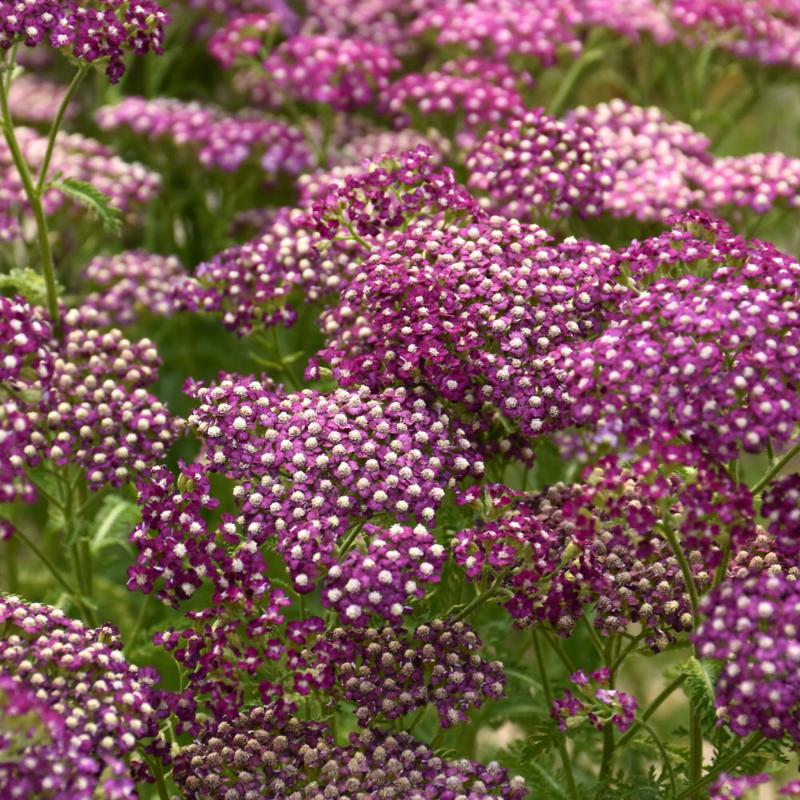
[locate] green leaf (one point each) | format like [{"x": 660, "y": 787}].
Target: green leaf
[
  {"x": 115, "y": 519},
  {"x": 27, "y": 283},
  {"x": 92, "y": 199},
  {"x": 701, "y": 680}
]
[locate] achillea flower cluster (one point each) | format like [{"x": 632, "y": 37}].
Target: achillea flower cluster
[
  {"x": 758, "y": 181},
  {"x": 127, "y": 185},
  {"x": 780, "y": 506},
  {"x": 34, "y": 100},
  {"x": 751, "y": 627},
  {"x": 596, "y": 704},
  {"x": 387, "y": 674},
  {"x": 533, "y": 31},
  {"x": 712, "y": 356},
  {"x": 652, "y": 160},
  {"x": 465, "y": 106},
  {"x": 309, "y": 465},
  {"x": 259, "y": 283},
  {"x": 475, "y": 314},
  {"x": 374, "y": 144},
  {"x": 765, "y": 32},
  {"x": 341, "y": 73},
  {"x": 102, "y": 31},
  {"x": 81, "y": 401},
  {"x": 540, "y": 168},
  {"x": 273, "y": 753},
  {"x": 728, "y": 787},
  {"x": 244, "y": 38},
  {"x": 219, "y": 141},
  {"x": 602, "y": 544},
  {"x": 394, "y": 568},
  {"x": 390, "y": 192},
  {"x": 92, "y": 708},
  {"x": 131, "y": 283}
]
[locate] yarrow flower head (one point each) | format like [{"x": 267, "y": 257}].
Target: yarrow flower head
[
  {"x": 388, "y": 192},
  {"x": 751, "y": 627},
  {"x": 707, "y": 350},
  {"x": 101, "y": 31},
  {"x": 473, "y": 313},
  {"x": 780, "y": 506},
  {"x": 467, "y": 106},
  {"x": 94, "y": 707},
  {"x": 379, "y": 579},
  {"x": 537, "y": 167},
  {"x": 275, "y": 753},
  {"x": 729, "y": 787},
  {"x": 342, "y": 73},
  {"x": 310, "y": 465},
  {"x": 220, "y": 141},
  {"x": 130, "y": 284}
]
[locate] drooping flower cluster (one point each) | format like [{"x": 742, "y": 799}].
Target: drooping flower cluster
[
  {"x": 341, "y": 73},
  {"x": 540, "y": 168},
  {"x": 265, "y": 752},
  {"x": 390, "y": 192},
  {"x": 310, "y": 465},
  {"x": 394, "y": 567},
  {"x": 751, "y": 627},
  {"x": 709, "y": 351},
  {"x": 101, "y": 31},
  {"x": 92, "y": 708},
  {"x": 473, "y": 313},
  {"x": 597, "y": 704},
  {"x": 127, "y": 185},
  {"x": 131, "y": 283},
  {"x": 220, "y": 141}
]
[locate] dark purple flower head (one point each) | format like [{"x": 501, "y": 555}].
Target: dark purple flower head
[
  {"x": 475, "y": 315},
  {"x": 781, "y": 508},
  {"x": 264, "y": 753},
  {"x": 537, "y": 167},
  {"x": 102, "y": 31},
  {"x": 93, "y": 707},
  {"x": 707, "y": 347},
  {"x": 751, "y": 627}
]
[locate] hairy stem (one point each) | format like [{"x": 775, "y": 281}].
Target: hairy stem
[{"x": 726, "y": 765}]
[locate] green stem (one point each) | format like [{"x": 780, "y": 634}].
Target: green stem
[
  {"x": 548, "y": 696},
  {"x": 157, "y": 771},
  {"x": 350, "y": 539},
  {"x": 723, "y": 766},
  {"x": 776, "y": 468},
  {"x": 54, "y": 571},
  {"x": 695, "y": 746},
  {"x": 664, "y": 755},
  {"x": 138, "y": 624},
  {"x": 417, "y": 718},
  {"x": 478, "y": 600},
  {"x": 56, "y": 126},
  {"x": 608, "y": 753},
  {"x": 35, "y": 201},
  {"x": 553, "y": 641},
  {"x": 12, "y": 564},
  {"x": 617, "y": 663},
  {"x": 686, "y": 569},
  {"x": 651, "y": 709}
]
